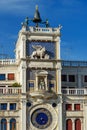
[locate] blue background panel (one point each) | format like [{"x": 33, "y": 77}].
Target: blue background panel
[
  {"x": 51, "y": 85},
  {"x": 49, "y": 46},
  {"x": 31, "y": 84}
]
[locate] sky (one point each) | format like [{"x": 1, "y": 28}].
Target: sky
[{"x": 71, "y": 14}]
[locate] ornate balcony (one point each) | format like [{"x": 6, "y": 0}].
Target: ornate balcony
[
  {"x": 74, "y": 63},
  {"x": 10, "y": 90},
  {"x": 76, "y": 91},
  {"x": 44, "y": 30},
  {"x": 7, "y": 61}
]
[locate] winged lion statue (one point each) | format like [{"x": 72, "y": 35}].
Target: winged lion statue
[{"x": 39, "y": 51}]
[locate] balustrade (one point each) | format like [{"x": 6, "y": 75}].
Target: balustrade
[
  {"x": 10, "y": 90},
  {"x": 7, "y": 61},
  {"x": 46, "y": 30},
  {"x": 76, "y": 91}
]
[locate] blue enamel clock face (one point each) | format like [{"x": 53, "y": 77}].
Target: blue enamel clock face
[{"x": 41, "y": 118}]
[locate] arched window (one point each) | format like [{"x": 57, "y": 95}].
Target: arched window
[
  {"x": 12, "y": 124},
  {"x": 69, "y": 124},
  {"x": 77, "y": 124},
  {"x": 3, "y": 124}
]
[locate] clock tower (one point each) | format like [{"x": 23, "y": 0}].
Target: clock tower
[{"x": 38, "y": 55}]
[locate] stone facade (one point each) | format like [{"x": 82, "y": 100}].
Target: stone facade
[
  {"x": 30, "y": 85},
  {"x": 32, "y": 96},
  {"x": 74, "y": 91}
]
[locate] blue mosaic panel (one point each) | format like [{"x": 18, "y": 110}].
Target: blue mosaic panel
[{"x": 49, "y": 46}]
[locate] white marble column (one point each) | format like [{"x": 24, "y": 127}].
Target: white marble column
[
  {"x": 58, "y": 81},
  {"x": 46, "y": 83},
  {"x": 36, "y": 83},
  {"x": 8, "y": 124},
  {"x": 23, "y": 78},
  {"x": 60, "y": 116},
  {"x": 58, "y": 48},
  {"x": 23, "y": 115},
  {"x": 73, "y": 124},
  {"x": 24, "y": 47},
  {"x": 82, "y": 125},
  {"x": 0, "y": 124},
  {"x": 17, "y": 125},
  {"x": 6, "y": 77},
  {"x": 19, "y": 120},
  {"x": 72, "y": 107},
  {"x": 8, "y": 106},
  {"x": 85, "y": 117}
]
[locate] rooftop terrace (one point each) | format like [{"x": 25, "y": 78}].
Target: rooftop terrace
[
  {"x": 7, "y": 61},
  {"x": 74, "y": 63},
  {"x": 64, "y": 63}
]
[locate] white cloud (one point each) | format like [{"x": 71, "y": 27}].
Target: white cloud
[
  {"x": 17, "y": 6},
  {"x": 26, "y": 7}
]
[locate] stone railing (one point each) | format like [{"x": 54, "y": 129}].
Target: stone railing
[
  {"x": 7, "y": 61},
  {"x": 77, "y": 91},
  {"x": 10, "y": 90},
  {"x": 74, "y": 63},
  {"x": 45, "y": 30}
]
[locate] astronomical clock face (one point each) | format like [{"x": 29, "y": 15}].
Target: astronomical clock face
[{"x": 41, "y": 118}]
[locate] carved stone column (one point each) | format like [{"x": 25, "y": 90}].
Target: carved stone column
[
  {"x": 36, "y": 83},
  {"x": 82, "y": 125},
  {"x": 85, "y": 116},
  {"x": 58, "y": 48},
  {"x": 0, "y": 123},
  {"x": 23, "y": 115},
  {"x": 17, "y": 124},
  {"x": 23, "y": 76},
  {"x": 59, "y": 113},
  {"x": 8, "y": 124},
  {"x": 72, "y": 107},
  {"x": 73, "y": 124},
  {"x": 24, "y": 47},
  {"x": 58, "y": 81},
  {"x": 46, "y": 82}
]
